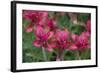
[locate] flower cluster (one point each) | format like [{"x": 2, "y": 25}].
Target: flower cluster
[{"x": 49, "y": 36}]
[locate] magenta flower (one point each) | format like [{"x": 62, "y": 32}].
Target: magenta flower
[
  {"x": 42, "y": 38},
  {"x": 31, "y": 15},
  {"x": 43, "y": 16},
  {"x": 51, "y": 24},
  {"x": 61, "y": 37},
  {"x": 29, "y": 28},
  {"x": 80, "y": 41},
  {"x": 36, "y": 18}
]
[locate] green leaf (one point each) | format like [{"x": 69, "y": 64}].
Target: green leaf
[
  {"x": 26, "y": 22},
  {"x": 63, "y": 21},
  {"x": 86, "y": 54},
  {"x": 69, "y": 55},
  {"x": 28, "y": 39},
  {"x": 77, "y": 29},
  {"x": 83, "y": 17},
  {"x": 30, "y": 52}
]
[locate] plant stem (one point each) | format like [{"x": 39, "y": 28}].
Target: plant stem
[
  {"x": 44, "y": 54},
  {"x": 59, "y": 55},
  {"x": 78, "y": 55}
]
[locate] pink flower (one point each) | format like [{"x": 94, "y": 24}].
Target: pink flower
[
  {"x": 36, "y": 18},
  {"x": 41, "y": 35},
  {"x": 73, "y": 47},
  {"x": 74, "y": 37},
  {"x": 51, "y": 24},
  {"x": 83, "y": 41},
  {"x": 80, "y": 41},
  {"x": 30, "y": 15},
  {"x": 42, "y": 38},
  {"x": 29, "y": 28},
  {"x": 43, "y": 16},
  {"x": 61, "y": 37}
]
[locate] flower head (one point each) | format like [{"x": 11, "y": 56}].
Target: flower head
[
  {"x": 80, "y": 41},
  {"x": 36, "y": 18},
  {"x": 42, "y": 38},
  {"x": 61, "y": 37}
]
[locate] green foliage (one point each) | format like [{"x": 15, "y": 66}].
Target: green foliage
[
  {"x": 25, "y": 22},
  {"x": 30, "y": 53},
  {"x": 69, "y": 55},
  {"x": 86, "y": 54},
  {"x": 83, "y": 17},
  {"x": 77, "y": 29},
  {"x": 63, "y": 21}
]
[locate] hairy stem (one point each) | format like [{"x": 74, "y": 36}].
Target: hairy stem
[
  {"x": 59, "y": 55},
  {"x": 44, "y": 54},
  {"x": 78, "y": 55}
]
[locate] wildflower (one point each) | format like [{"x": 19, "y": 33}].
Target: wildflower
[
  {"x": 61, "y": 37},
  {"x": 80, "y": 41},
  {"x": 42, "y": 38}
]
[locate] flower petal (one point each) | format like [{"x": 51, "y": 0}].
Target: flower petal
[
  {"x": 49, "y": 49},
  {"x": 29, "y": 28},
  {"x": 73, "y": 47},
  {"x": 36, "y": 43},
  {"x": 61, "y": 35},
  {"x": 74, "y": 37},
  {"x": 50, "y": 34}
]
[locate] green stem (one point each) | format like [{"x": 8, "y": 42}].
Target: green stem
[
  {"x": 59, "y": 55},
  {"x": 44, "y": 54},
  {"x": 78, "y": 55}
]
